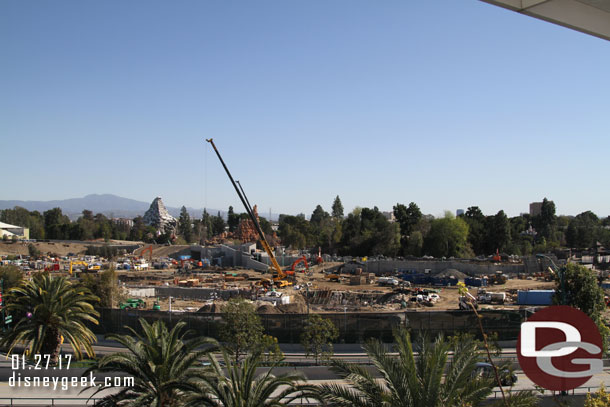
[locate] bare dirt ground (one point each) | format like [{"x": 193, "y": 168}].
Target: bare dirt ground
[
  {"x": 61, "y": 249},
  {"x": 315, "y": 280},
  {"x": 58, "y": 248},
  {"x": 448, "y": 295}
]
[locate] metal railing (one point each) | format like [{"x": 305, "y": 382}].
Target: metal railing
[
  {"x": 543, "y": 392},
  {"x": 47, "y": 401}
]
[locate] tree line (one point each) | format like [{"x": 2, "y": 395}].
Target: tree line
[
  {"x": 362, "y": 232},
  {"x": 369, "y": 232}
]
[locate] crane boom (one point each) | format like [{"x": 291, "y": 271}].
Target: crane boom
[{"x": 280, "y": 274}]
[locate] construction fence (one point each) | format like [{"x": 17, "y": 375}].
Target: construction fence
[{"x": 353, "y": 327}]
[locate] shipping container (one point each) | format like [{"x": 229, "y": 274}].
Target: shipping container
[
  {"x": 535, "y": 297},
  {"x": 475, "y": 282}
]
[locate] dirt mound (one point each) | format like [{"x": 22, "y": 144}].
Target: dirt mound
[
  {"x": 297, "y": 305},
  {"x": 451, "y": 273},
  {"x": 268, "y": 309},
  {"x": 211, "y": 309}
]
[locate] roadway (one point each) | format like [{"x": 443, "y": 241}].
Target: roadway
[{"x": 11, "y": 391}]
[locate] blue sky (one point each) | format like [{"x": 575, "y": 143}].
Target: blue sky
[{"x": 445, "y": 103}]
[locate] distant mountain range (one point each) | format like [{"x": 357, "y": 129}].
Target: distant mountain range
[{"x": 108, "y": 204}]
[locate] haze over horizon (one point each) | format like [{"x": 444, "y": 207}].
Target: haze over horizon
[{"x": 445, "y": 104}]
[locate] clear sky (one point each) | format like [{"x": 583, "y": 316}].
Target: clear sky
[{"x": 445, "y": 103}]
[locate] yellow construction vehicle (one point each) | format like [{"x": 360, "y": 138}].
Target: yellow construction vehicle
[
  {"x": 279, "y": 277},
  {"x": 78, "y": 262}
]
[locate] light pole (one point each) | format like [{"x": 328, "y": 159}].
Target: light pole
[
  {"x": 345, "y": 322},
  {"x": 170, "y": 309},
  {"x": 307, "y": 298}
]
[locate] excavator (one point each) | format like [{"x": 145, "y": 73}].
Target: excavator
[
  {"x": 279, "y": 276},
  {"x": 149, "y": 249},
  {"x": 79, "y": 263},
  {"x": 303, "y": 259}
]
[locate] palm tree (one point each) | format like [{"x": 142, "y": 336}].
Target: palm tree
[
  {"x": 161, "y": 362},
  {"x": 51, "y": 309},
  {"x": 407, "y": 381},
  {"x": 241, "y": 387}
]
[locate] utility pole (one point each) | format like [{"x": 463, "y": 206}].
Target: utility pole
[{"x": 170, "y": 309}]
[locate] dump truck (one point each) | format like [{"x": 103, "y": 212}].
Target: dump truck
[{"x": 486, "y": 297}]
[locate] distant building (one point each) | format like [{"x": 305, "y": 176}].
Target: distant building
[
  {"x": 535, "y": 208},
  {"x": 459, "y": 212},
  {"x": 123, "y": 221},
  {"x": 389, "y": 216},
  {"x": 11, "y": 230}
]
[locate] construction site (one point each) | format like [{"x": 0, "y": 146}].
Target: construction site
[{"x": 195, "y": 281}]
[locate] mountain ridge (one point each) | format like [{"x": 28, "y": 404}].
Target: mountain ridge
[{"x": 108, "y": 204}]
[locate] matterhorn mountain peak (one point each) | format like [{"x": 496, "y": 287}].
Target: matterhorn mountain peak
[{"x": 158, "y": 217}]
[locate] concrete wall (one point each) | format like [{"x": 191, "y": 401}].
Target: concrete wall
[
  {"x": 141, "y": 292},
  {"x": 201, "y": 294},
  {"x": 227, "y": 256},
  {"x": 380, "y": 267}
]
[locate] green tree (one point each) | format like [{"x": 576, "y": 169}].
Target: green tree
[
  {"x": 581, "y": 290},
  {"x": 318, "y": 216},
  {"x": 367, "y": 232},
  {"x": 105, "y": 286},
  {"x": 583, "y": 230},
  {"x": 498, "y": 232},
  {"x": 337, "y": 208},
  {"x": 50, "y": 308},
  {"x": 476, "y": 229},
  {"x": 241, "y": 330},
  {"x": 295, "y": 231},
  {"x": 448, "y": 237},
  {"x": 415, "y": 243},
  {"x": 265, "y": 225},
  {"x": 162, "y": 363},
  {"x": 430, "y": 380},
  {"x": 33, "y": 251},
  {"x": 318, "y": 336},
  {"x": 407, "y": 218},
  {"x": 322, "y": 228},
  {"x": 87, "y": 225},
  {"x": 546, "y": 223},
  {"x": 11, "y": 277},
  {"x": 184, "y": 225},
  {"x": 218, "y": 225},
  {"x": 240, "y": 386},
  {"x": 206, "y": 221},
  {"x": 232, "y": 220},
  {"x": 138, "y": 230},
  {"x": 55, "y": 224}
]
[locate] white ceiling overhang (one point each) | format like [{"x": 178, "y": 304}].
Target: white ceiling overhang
[{"x": 587, "y": 16}]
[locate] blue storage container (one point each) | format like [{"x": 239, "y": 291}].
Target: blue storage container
[
  {"x": 475, "y": 282},
  {"x": 535, "y": 297}
]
